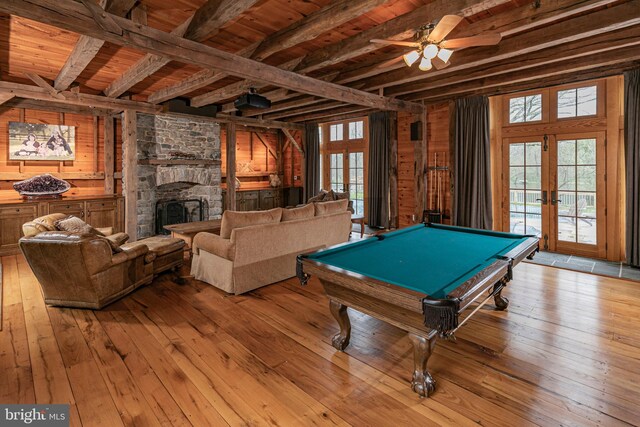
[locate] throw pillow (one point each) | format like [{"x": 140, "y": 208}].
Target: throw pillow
[
  {"x": 306, "y": 211},
  {"x": 119, "y": 238},
  {"x": 341, "y": 196},
  {"x": 326, "y": 208},
  {"x": 235, "y": 219},
  {"x": 318, "y": 198},
  {"x": 115, "y": 247},
  {"x": 76, "y": 225},
  {"x": 330, "y": 196}
]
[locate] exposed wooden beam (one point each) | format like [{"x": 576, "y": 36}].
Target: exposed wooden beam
[
  {"x": 334, "y": 14},
  {"x": 207, "y": 20},
  {"x": 585, "y": 49},
  {"x": 4, "y": 97},
  {"x": 198, "y": 80},
  {"x": 77, "y": 99},
  {"x": 231, "y": 166},
  {"x": 73, "y": 16},
  {"x": 244, "y": 121},
  {"x": 291, "y": 139},
  {"x": 281, "y": 106},
  {"x": 303, "y": 110},
  {"x": 34, "y": 104},
  {"x": 87, "y": 48},
  {"x": 330, "y": 115},
  {"x": 401, "y": 27},
  {"x": 235, "y": 89},
  {"x": 579, "y": 28},
  {"x": 273, "y": 95},
  {"x": 215, "y": 14},
  {"x": 359, "y": 44},
  {"x": 269, "y": 149},
  {"x": 44, "y": 85},
  {"x": 574, "y": 66}
]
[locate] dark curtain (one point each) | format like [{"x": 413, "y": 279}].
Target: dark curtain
[
  {"x": 632, "y": 160},
  {"x": 311, "y": 161},
  {"x": 472, "y": 178},
  {"x": 379, "y": 135}
]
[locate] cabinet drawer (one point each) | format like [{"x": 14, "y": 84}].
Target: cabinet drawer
[
  {"x": 19, "y": 210},
  {"x": 99, "y": 205},
  {"x": 63, "y": 207},
  {"x": 250, "y": 195},
  {"x": 269, "y": 193}
]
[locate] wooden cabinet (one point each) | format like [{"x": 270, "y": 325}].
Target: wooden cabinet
[
  {"x": 99, "y": 211},
  {"x": 255, "y": 200},
  {"x": 11, "y": 220}
]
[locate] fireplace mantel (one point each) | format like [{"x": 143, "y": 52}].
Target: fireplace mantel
[{"x": 173, "y": 162}]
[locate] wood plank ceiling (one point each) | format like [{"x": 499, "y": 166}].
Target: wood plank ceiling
[{"x": 544, "y": 43}]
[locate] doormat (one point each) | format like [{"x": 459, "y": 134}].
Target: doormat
[{"x": 587, "y": 265}]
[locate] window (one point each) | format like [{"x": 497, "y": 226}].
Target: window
[
  {"x": 525, "y": 109},
  {"x": 336, "y": 169},
  {"x": 356, "y": 130},
  {"x": 582, "y": 101},
  {"x": 335, "y": 132},
  {"x": 320, "y": 133}
]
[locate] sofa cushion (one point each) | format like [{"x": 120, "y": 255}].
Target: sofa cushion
[
  {"x": 115, "y": 246},
  {"x": 159, "y": 245},
  {"x": 234, "y": 219},
  {"x": 118, "y": 238},
  {"x": 318, "y": 197},
  {"x": 325, "y": 208},
  {"x": 76, "y": 225},
  {"x": 307, "y": 211}
]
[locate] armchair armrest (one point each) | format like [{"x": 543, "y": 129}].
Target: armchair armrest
[{"x": 214, "y": 244}]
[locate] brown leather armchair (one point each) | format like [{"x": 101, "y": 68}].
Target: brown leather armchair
[{"x": 80, "y": 270}]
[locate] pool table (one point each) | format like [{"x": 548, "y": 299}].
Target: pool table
[{"x": 420, "y": 279}]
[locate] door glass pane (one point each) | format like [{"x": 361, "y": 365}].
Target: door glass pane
[
  {"x": 587, "y": 101},
  {"x": 577, "y": 191},
  {"x": 336, "y": 172},
  {"x": 356, "y": 181},
  {"x": 524, "y": 188}
]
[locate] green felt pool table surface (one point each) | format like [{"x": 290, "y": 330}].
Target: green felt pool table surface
[{"x": 433, "y": 259}]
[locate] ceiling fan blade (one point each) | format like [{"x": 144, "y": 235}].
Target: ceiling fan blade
[
  {"x": 395, "y": 42},
  {"x": 390, "y": 62},
  {"x": 439, "y": 63},
  {"x": 444, "y": 27},
  {"x": 482, "y": 40}
]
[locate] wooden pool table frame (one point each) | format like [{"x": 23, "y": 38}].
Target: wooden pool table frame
[{"x": 405, "y": 308}]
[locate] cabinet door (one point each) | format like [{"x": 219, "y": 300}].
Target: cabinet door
[
  {"x": 70, "y": 208},
  {"x": 250, "y": 201},
  {"x": 269, "y": 199},
  {"x": 102, "y": 214},
  {"x": 11, "y": 220}
]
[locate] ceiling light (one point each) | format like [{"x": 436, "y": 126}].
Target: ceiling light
[
  {"x": 445, "y": 54},
  {"x": 411, "y": 57},
  {"x": 425, "y": 64},
  {"x": 430, "y": 51}
]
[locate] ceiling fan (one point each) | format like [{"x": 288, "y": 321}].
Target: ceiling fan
[{"x": 431, "y": 47}]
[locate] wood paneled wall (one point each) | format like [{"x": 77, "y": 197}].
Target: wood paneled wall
[
  {"x": 250, "y": 150},
  {"x": 89, "y": 161},
  {"x": 437, "y": 143}
]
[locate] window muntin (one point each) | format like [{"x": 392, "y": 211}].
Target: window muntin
[{"x": 578, "y": 102}]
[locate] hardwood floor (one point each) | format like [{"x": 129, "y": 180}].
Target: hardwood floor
[{"x": 566, "y": 352}]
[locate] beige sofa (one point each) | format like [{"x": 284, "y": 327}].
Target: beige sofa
[{"x": 245, "y": 257}]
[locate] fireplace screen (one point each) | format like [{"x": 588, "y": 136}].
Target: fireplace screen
[{"x": 177, "y": 212}]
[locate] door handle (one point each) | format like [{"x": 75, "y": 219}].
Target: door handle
[
  {"x": 553, "y": 198},
  {"x": 544, "y": 198}
]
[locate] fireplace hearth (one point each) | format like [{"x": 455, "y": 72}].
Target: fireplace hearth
[{"x": 178, "y": 212}]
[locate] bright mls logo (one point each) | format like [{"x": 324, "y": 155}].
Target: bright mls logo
[{"x": 34, "y": 415}]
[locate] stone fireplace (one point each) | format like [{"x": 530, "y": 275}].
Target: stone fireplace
[{"x": 178, "y": 159}]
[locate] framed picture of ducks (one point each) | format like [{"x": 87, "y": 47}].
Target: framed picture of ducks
[{"x": 39, "y": 141}]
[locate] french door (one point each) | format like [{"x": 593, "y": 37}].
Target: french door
[
  {"x": 346, "y": 173},
  {"x": 555, "y": 189}
]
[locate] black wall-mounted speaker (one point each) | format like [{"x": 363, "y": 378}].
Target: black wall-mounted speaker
[{"x": 416, "y": 131}]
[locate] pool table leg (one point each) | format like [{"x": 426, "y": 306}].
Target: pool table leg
[
  {"x": 339, "y": 311},
  {"x": 501, "y": 302},
  {"x": 422, "y": 382}
]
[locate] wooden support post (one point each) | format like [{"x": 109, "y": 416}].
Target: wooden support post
[
  {"x": 231, "y": 166},
  {"x": 251, "y": 145},
  {"x": 393, "y": 171},
  {"x": 293, "y": 168},
  {"x": 130, "y": 144},
  {"x": 303, "y": 161},
  {"x": 109, "y": 154},
  {"x": 21, "y": 114},
  {"x": 420, "y": 172},
  {"x": 280, "y": 159},
  {"x": 96, "y": 126},
  {"x": 61, "y": 121}
]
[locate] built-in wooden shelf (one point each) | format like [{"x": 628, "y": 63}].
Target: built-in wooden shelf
[
  {"x": 18, "y": 176},
  {"x": 171, "y": 162},
  {"x": 250, "y": 174}
]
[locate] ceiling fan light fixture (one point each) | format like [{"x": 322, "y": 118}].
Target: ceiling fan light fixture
[
  {"x": 425, "y": 64},
  {"x": 445, "y": 54},
  {"x": 430, "y": 51},
  {"x": 411, "y": 57}
]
